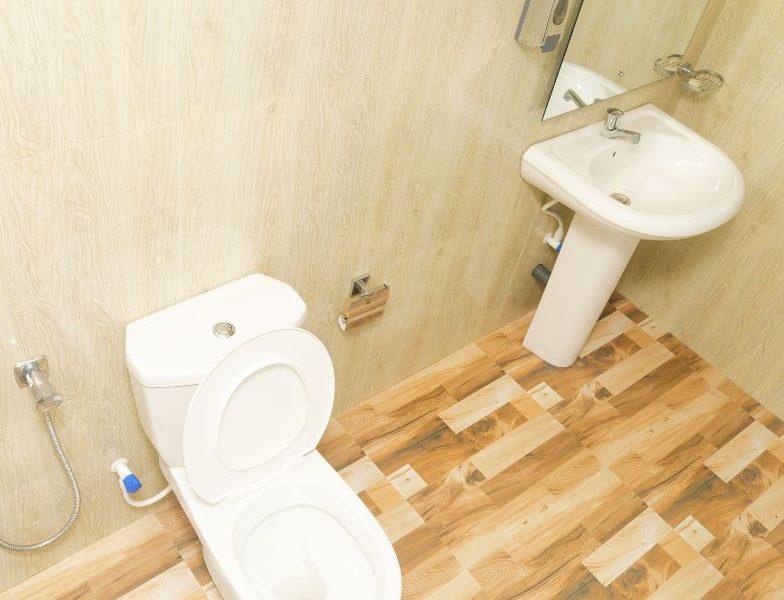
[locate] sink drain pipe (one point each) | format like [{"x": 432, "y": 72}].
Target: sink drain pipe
[
  {"x": 541, "y": 274},
  {"x": 555, "y": 239}
]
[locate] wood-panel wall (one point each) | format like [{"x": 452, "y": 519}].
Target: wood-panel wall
[
  {"x": 152, "y": 150},
  {"x": 723, "y": 293}
]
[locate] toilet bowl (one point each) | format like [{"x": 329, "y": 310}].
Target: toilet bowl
[
  {"x": 306, "y": 531},
  {"x": 276, "y": 521}
]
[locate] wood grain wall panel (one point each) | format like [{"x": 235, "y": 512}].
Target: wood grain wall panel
[
  {"x": 730, "y": 279},
  {"x": 151, "y": 150}
]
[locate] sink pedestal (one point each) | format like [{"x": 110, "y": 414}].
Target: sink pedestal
[{"x": 591, "y": 261}]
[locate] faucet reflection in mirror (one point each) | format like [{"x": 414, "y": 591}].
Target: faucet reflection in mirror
[{"x": 613, "y": 46}]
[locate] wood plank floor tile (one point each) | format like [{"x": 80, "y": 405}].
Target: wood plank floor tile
[
  {"x": 645, "y": 576},
  {"x": 682, "y": 351},
  {"x": 385, "y": 496},
  {"x": 568, "y": 382},
  {"x": 775, "y": 538},
  {"x": 338, "y": 447},
  {"x": 117, "y": 551},
  {"x": 497, "y": 424},
  {"x": 654, "y": 431},
  {"x": 630, "y": 310},
  {"x": 462, "y": 587},
  {"x": 545, "y": 396},
  {"x": 516, "y": 330},
  {"x": 650, "y": 387},
  {"x": 766, "y": 581},
  {"x": 482, "y": 402},
  {"x": 424, "y": 382},
  {"x": 628, "y": 545},
  {"x": 626, "y": 373},
  {"x": 726, "y": 425},
  {"x": 606, "y": 330},
  {"x": 639, "y": 472},
  {"x": 434, "y": 573},
  {"x": 402, "y": 428},
  {"x": 588, "y": 418},
  {"x": 456, "y": 506},
  {"x": 515, "y": 445},
  {"x": 432, "y": 454},
  {"x": 493, "y": 569},
  {"x": 407, "y": 481},
  {"x": 503, "y": 351},
  {"x": 399, "y": 522},
  {"x": 416, "y": 547},
  {"x": 472, "y": 377},
  {"x": 768, "y": 508},
  {"x": 693, "y": 532},
  {"x": 543, "y": 574},
  {"x": 530, "y": 521},
  {"x": 679, "y": 549},
  {"x": 532, "y": 468},
  {"x": 740, "y": 549},
  {"x": 603, "y": 524},
  {"x": 361, "y": 474},
  {"x": 153, "y": 558},
  {"x": 662, "y": 483},
  {"x": 176, "y": 583},
  {"x": 735, "y": 455},
  {"x": 691, "y": 581}
]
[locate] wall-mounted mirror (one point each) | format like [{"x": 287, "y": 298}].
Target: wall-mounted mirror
[{"x": 614, "y": 45}]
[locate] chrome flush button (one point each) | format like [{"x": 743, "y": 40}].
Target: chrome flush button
[{"x": 223, "y": 330}]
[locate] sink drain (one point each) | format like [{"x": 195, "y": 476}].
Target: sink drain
[{"x": 622, "y": 198}]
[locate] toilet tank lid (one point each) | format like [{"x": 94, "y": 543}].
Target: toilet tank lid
[{"x": 177, "y": 346}]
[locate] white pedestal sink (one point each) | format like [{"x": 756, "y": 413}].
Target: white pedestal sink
[{"x": 677, "y": 185}]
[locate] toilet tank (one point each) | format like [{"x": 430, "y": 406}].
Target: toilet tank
[{"x": 168, "y": 353}]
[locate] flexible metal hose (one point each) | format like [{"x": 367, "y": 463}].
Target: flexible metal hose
[{"x": 58, "y": 449}]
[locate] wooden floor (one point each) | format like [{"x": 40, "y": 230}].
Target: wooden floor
[{"x": 639, "y": 472}]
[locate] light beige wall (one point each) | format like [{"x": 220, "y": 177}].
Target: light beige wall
[
  {"x": 613, "y": 36},
  {"x": 723, "y": 293},
  {"x": 153, "y": 150}
]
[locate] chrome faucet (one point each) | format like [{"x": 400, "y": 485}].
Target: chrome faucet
[{"x": 611, "y": 130}]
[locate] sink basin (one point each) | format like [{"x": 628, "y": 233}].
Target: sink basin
[
  {"x": 678, "y": 183},
  {"x": 673, "y": 184}
]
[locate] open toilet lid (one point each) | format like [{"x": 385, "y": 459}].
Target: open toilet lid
[{"x": 264, "y": 404}]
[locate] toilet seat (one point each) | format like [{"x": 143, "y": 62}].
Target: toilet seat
[{"x": 262, "y": 407}]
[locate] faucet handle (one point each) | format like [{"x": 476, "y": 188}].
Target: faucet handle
[{"x": 611, "y": 121}]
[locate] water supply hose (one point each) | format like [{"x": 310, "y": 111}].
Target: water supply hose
[{"x": 58, "y": 449}]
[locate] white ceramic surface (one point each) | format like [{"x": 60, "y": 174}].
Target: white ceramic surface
[
  {"x": 680, "y": 185},
  {"x": 264, "y": 405},
  {"x": 170, "y": 352},
  {"x": 588, "y": 268},
  {"x": 238, "y": 561},
  {"x": 246, "y": 436},
  {"x": 176, "y": 345}
]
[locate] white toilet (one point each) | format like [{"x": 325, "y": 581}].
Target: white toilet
[{"x": 235, "y": 398}]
